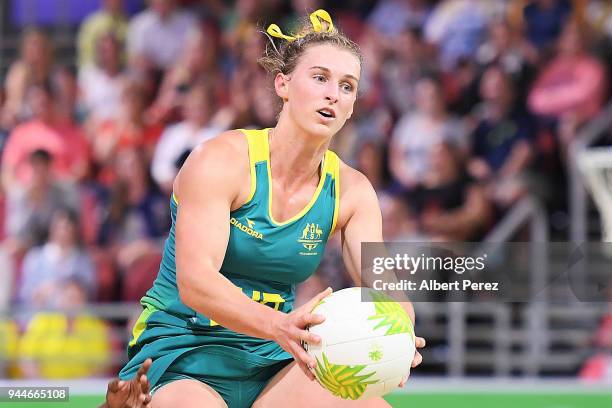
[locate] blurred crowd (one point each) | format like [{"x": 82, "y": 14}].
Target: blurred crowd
[{"x": 465, "y": 107}]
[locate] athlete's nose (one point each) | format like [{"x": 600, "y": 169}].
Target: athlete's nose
[{"x": 331, "y": 92}]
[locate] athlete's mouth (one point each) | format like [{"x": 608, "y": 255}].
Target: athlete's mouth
[{"x": 327, "y": 113}]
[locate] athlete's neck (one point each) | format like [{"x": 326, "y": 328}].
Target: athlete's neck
[{"x": 295, "y": 157}]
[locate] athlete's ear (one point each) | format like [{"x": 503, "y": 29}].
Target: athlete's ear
[{"x": 281, "y": 85}]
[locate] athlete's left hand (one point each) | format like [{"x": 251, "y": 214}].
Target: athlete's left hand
[{"x": 419, "y": 342}]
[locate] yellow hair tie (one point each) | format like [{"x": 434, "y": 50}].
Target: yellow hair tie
[
  {"x": 315, "y": 18},
  {"x": 316, "y": 23},
  {"x": 275, "y": 31}
]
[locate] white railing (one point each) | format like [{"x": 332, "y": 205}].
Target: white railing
[{"x": 578, "y": 199}]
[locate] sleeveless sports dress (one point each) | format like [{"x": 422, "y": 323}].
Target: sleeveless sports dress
[{"x": 266, "y": 259}]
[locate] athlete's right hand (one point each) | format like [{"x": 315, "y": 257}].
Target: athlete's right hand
[{"x": 289, "y": 330}]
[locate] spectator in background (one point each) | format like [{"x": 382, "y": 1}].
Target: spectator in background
[
  {"x": 109, "y": 20},
  {"x": 129, "y": 131},
  {"x": 55, "y": 346},
  {"x": 6, "y": 289},
  {"x": 291, "y": 19},
  {"x": 238, "y": 21},
  {"x": 30, "y": 208},
  {"x": 198, "y": 62},
  {"x": 177, "y": 140},
  {"x": 408, "y": 60},
  {"x": 3, "y": 133},
  {"x": 47, "y": 269},
  {"x": 248, "y": 81},
  {"x": 502, "y": 141},
  {"x": 59, "y": 346},
  {"x": 507, "y": 49},
  {"x": 33, "y": 67},
  {"x": 65, "y": 142},
  {"x": 599, "y": 15},
  {"x": 543, "y": 21},
  {"x": 263, "y": 101},
  {"x": 417, "y": 134},
  {"x": 392, "y": 17},
  {"x": 571, "y": 87},
  {"x": 399, "y": 224},
  {"x": 457, "y": 28},
  {"x": 157, "y": 35},
  {"x": 9, "y": 333},
  {"x": 102, "y": 81},
  {"x": 66, "y": 91},
  {"x": 137, "y": 216},
  {"x": 247, "y": 50},
  {"x": 449, "y": 205}
]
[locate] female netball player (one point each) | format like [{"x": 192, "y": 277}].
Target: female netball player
[{"x": 252, "y": 211}]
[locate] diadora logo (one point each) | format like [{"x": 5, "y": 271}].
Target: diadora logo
[
  {"x": 248, "y": 229},
  {"x": 311, "y": 238}
]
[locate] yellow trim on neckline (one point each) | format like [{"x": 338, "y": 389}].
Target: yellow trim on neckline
[
  {"x": 174, "y": 198},
  {"x": 257, "y": 153},
  {"x": 336, "y": 177},
  {"x": 315, "y": 196}
]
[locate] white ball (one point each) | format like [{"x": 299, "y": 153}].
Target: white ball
[{"x": 366, "y": 347}]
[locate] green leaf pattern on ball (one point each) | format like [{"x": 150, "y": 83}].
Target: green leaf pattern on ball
[
  {"x": 392, "y": 314},
  {"x": 375, "y": 355},
  {"x": 342, "y": 380}
]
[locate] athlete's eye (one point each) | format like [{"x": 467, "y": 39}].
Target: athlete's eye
[
  {"x": 319, "y": 78},
  {"x": 346, "y": 87}
]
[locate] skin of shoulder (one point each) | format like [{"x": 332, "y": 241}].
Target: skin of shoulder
[
  {"x": 225, "y": 156},
  {"x": 356, "y": 194}
]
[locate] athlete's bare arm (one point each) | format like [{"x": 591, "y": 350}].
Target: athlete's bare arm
[
  {"x": 360, "y": 221},
  {"x": 214, "y": 180}
]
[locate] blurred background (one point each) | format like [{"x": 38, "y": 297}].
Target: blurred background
[{"x": 477, "y": 120}]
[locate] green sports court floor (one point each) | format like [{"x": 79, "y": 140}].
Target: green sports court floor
[
  {"x": 437, "y": 392},
  {"x": 465, "y": 400},
  {"x": 442, "y": 400}
]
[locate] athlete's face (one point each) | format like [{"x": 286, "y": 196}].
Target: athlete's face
[{"x": 320, "y": 92}]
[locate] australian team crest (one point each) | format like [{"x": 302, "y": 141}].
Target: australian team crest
[{"x": 311, "y": 238}]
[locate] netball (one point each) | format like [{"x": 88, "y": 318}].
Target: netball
[{"x": 367, "y": 344}]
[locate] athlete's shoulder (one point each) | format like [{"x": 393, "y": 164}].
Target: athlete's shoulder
[
  {"x": 223, "y": 150},
  {"x": 353, "y": 182},
  {"x": 230, "y": 142},
  {"x": 224, "y": 156},
  {"x": 356, "y": 194}
]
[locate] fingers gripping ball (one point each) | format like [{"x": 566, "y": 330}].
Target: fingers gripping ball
[{"x": 367, "y": 344}]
